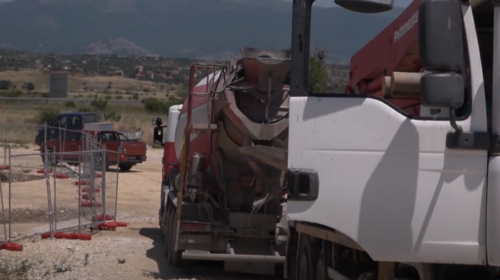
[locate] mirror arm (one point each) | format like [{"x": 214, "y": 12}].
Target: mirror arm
[{"x": 453, "y": 120}]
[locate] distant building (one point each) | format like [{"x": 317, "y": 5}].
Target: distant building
[
  {"x": 140, "y": 76},
  {"x": 58, "y": 85},
  {"x": 138, "y": 68},
  {"x": 150, "y": 75}
]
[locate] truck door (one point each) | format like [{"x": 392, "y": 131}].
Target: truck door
[
  {"x": 73, "y": 144},
  {"x": 112, "y": 141},
  {"x": 58, "y": 124},
  {"x": 386, "y": 179}
]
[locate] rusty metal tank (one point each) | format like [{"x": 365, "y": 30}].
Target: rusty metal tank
[{"x": 246, "y": 102}]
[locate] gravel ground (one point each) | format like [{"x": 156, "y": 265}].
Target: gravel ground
[{"x": 135, "y": 252}]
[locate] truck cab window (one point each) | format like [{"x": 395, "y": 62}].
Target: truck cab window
[
  {"x": 386, "y": 67},
  {"x": 60, "y": 121},
  {"x": 75, "y": 122}
]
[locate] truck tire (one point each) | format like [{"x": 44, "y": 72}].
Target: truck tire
[
  {"x": 125, "y": 167},
  {"x": 52, "y": 160},
  {"x": 168, "y": 235},
  {"x": 320, "y": 266},
  {"x": 176, "y": 256},
  {"x": 99, "y": 162},
  {"x": 305, "y": 270}
]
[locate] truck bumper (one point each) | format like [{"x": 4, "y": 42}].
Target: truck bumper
[{"x": 132, "y": 159}]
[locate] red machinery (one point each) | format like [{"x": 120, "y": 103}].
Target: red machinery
[
  {"x": 224, "y": 156},
  {"x": 389, "y": 65}
]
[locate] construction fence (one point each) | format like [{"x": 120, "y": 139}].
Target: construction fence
[{"x": 60, "y": 188}]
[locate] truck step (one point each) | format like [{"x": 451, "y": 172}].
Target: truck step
[
  {"x": 233, "y": 257},
  {"x": 203, "y": 128}
]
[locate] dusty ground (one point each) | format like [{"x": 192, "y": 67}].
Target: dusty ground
[{"x": 135, "y": 252}]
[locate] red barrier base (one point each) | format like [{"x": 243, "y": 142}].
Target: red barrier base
[
  {"x": 107, "y": 225},
  {"x": 99, "y": 217},
  {"x": 64, "y": 235},
  {"x": 88, "y": 190},
  {"x": 11, "y": 247},
  {"x": 90, "y": 204},
  {"x": 4, "y": 167}
]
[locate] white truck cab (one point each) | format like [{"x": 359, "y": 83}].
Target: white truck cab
[{"x": 377, "y": 194}]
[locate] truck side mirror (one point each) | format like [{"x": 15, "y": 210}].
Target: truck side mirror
[
  {"x": 440, "y": 28},
  {"x": 157, "y": 122},
  {"x": 441, "y": 46},
  {"x": 158, "y": 135}
]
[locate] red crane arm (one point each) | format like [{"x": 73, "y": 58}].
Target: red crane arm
[{"x": 393, "y": 49}]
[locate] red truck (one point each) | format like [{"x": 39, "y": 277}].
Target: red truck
[{"x": 132, "y": 152}]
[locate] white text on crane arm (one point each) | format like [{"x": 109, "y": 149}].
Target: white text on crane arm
[{"x": 398, "y": 34}]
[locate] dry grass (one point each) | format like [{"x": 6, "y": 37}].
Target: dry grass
[
  {"x": 21, "y": 114},
  {"x": 82, "y": 86}
]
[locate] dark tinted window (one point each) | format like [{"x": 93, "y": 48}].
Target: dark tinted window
[{"x": 90, "y": 118}]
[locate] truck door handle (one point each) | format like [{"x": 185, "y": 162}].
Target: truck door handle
[{"x": 73, "y": 143}]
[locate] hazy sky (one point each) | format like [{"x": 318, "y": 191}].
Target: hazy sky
[{"x": 325, "y": 3}]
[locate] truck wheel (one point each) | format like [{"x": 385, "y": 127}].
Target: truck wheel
[
  {"x": 125, "y": 167},
  {"x": 52, "y": 160},
  {"x": 320, "y": 266},
  {"x": 168, "y": 235},
  {"x": 165, "y": 232},
  {"x": 177, "y": 260},
  {"x": 99, "y": 162},
  {"x": 305, "y": 270}
]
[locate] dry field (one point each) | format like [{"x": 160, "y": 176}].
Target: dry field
[
  {"x": 135, "y": 252},
  {"x": 133, "y": 117},
  {"x": 81, "y": 86}
]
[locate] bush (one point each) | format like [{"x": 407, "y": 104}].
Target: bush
[
  {"x": 46, "y": 115},
  {"x": 70, "y": 104},
  {"x": 146, "y": 90},
  {"x": 84, "y": 109},
  {"x": 5, "y": 84},
  {"x": 135, "y": 96},
  {"x": 11, "y": 93},
  {"x": 153, "y": 105},
  {"x": 99, "y": 104},
  {"x": 30, "y": 86}
]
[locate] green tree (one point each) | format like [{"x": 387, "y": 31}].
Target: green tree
[
  {"x": 318, "y": 77},
  {"x": 5, "y": 84},
  {"x": 30, "y": 86}
]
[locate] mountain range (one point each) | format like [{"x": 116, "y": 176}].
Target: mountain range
[{"x": 206, "y": 29}]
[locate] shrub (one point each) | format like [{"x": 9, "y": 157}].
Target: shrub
[
  {"x": 153, "y": 105},
  {"x": 84, "y": 109},
  {"x": 11, "y": 93},
  {"x": 30, "y": 86},
  {"x": 46, "y": 115},
  {"x": 146, "y": 90},
  {"x": 5, "y": 84},
  {"x": 135, "y": 96}
]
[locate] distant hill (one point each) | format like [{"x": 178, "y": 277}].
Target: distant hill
[{"x": 208, "y": 29}]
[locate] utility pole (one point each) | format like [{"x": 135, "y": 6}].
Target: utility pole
[{"x": 97, "y": 86}]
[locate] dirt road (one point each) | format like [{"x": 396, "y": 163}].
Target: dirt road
[{"x": 135, "y": 252}]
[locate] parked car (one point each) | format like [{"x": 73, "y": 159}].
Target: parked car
[
  {"x": 132, "y": 152},
  {"x": 69, "y": 121}
]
